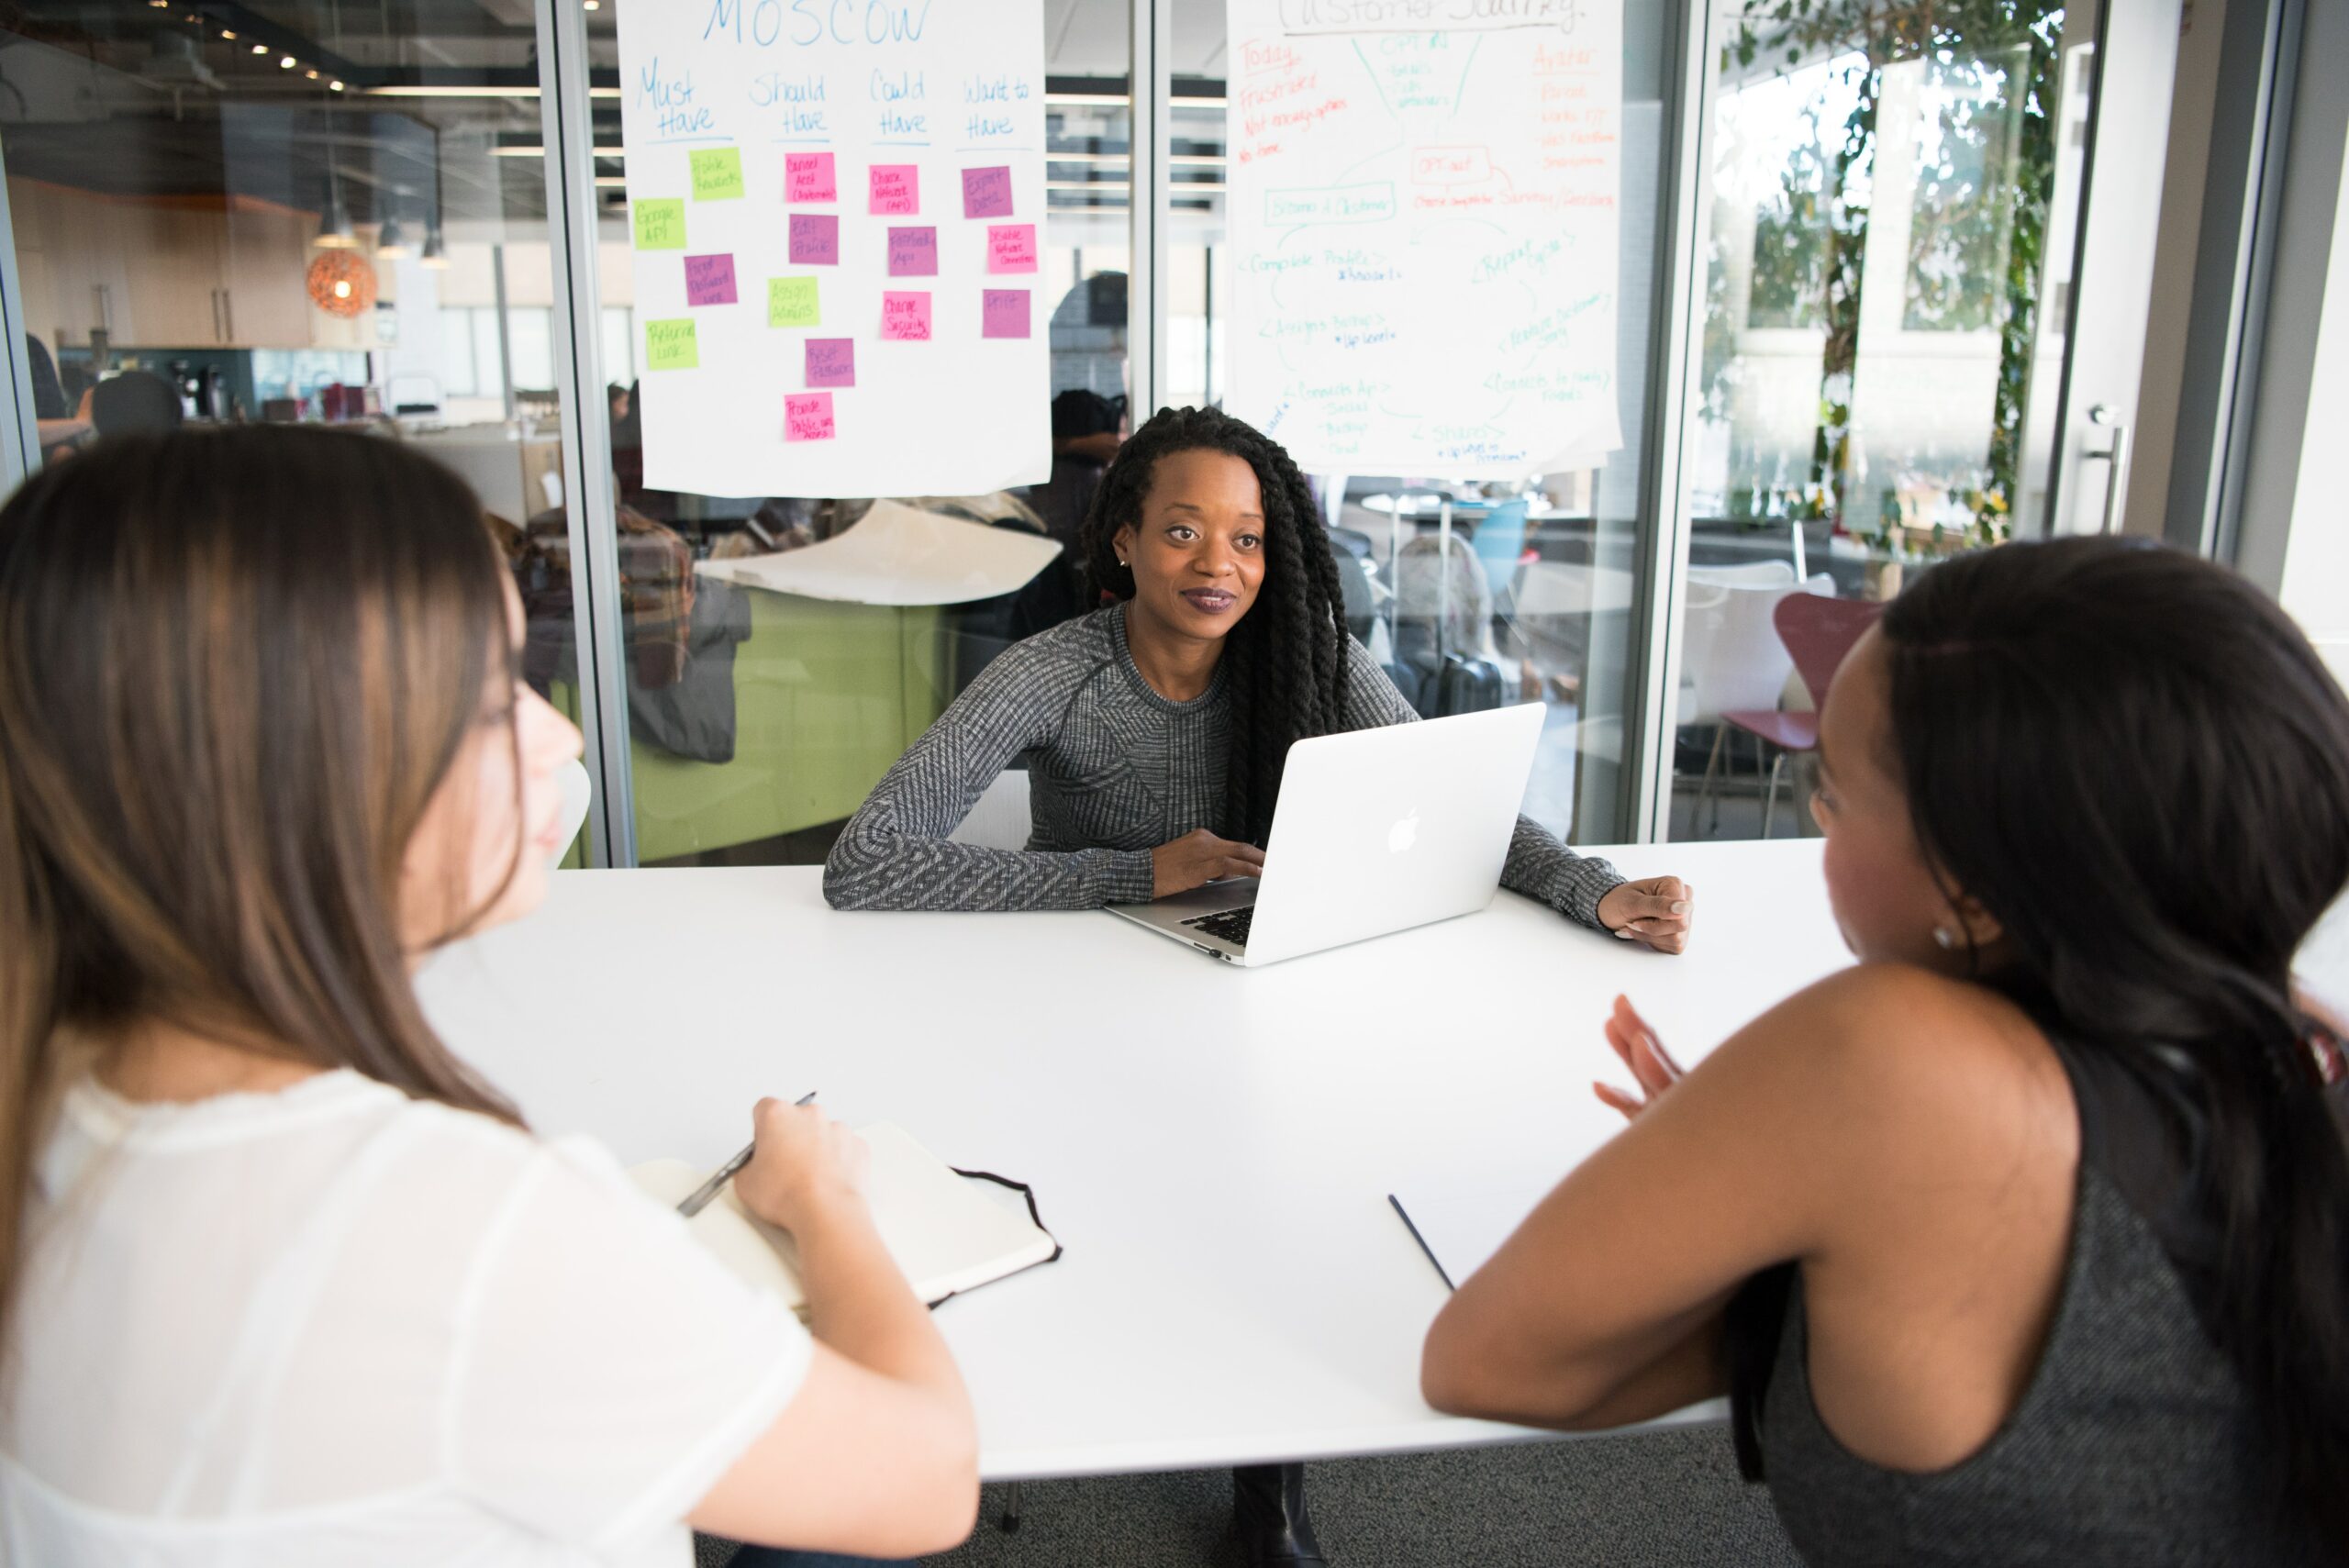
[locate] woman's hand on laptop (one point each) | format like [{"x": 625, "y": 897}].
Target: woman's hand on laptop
[
  {"x": 1198, "y": 857},
  {"x": 1656, "y": 910}
]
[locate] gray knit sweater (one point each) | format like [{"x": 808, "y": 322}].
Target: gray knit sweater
[{"x": 1114, "y": 771}]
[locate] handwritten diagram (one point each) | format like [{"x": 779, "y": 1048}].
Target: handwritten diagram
[
  {"x": 1423, "y": 200},
  {"x": 834, "y": 213}
]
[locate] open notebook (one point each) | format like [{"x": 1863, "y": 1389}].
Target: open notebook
[{"x": 947, "y": 1235}]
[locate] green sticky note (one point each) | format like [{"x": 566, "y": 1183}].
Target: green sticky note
[
  {"x": 717, "y": 174},
  {"x": 791, "y": 302},
  {"x": 671, "y": 346},
  {"x": 661, "y": 225}
]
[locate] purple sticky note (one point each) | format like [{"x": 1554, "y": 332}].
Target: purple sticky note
[
  {"x": 1004, "y": 314},
  {"x": 986, "y": 192},
  {"x": 1012, "y": 248},
  {"x": 806, "y": 416},
  {"x": 905, "y": 318},
  {"x": 897, "y": 189},
  {"x": 832, "y": 361},
  {"x": 913, "y": 252},
  {"x": 807, "y": 177},
  {"x": 710, "y": 280},
  {"x": 815, "y": 236}
]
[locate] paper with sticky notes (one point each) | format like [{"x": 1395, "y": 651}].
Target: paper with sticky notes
[
  {"x": 1425, "y": 234},
  {"x": 986, "y": 192},
  {"x": 808, "y": 177},
  {"x": 807, "y": 417},
  {"x": 670, "y": 346},
  {"x": 710, "y": 280},
  {"x": 717, "y": 174},
  {"x": 904, "y": 317},
  {"x": 1004, "y": 314},
  {"x": 895, "y": 189},
  {"x": 659, "y": 224},
  {"x": 832, "y": 361},
  {"x": 1012, "y": 248},
  {"x": 809, "y": 232},
  {"x": 791, "y": 302},
  {"x": 913, "y": 252}
]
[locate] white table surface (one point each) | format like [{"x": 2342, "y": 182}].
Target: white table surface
[{"x": 1212, "y": 1146}]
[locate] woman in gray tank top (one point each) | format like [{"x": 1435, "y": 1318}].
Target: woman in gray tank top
[{"x": 2021, "y": 1240}]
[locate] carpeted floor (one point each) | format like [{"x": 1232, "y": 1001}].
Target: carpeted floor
[{"x": 1668, "y": 1500}]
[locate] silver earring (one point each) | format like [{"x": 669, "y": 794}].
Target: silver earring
[
  {"x": 1944, "y": 937},
  {"x": 1121, "y": 561}
]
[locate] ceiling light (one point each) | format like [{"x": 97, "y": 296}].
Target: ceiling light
[
  {"x": 434, "y": 255},
  {"x": 334, "y": 227},
  {"x": 391, "y": 241},
  {"x": 311, "y": 74},
  {"x": 287, "y": 63},
  {"x": 228, "y": 32},
  {"x": 336, "y": 85},
  {"x": 260, "y": 49}
]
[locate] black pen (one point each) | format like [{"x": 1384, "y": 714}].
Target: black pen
[{"x": 698, "y": 1199}]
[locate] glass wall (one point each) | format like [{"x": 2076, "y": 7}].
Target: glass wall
[{"x": 1886, "y": 205}]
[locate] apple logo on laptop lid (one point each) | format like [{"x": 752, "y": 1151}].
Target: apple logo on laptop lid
[{"x": 1405, "y": 833}]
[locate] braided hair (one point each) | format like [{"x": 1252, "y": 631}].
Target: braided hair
[{"x": 1284, "y": 665}]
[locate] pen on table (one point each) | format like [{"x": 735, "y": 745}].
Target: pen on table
[{"x": 698, "y": 1199}]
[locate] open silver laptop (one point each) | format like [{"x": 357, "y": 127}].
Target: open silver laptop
[{"x": 1377, "y": 830}]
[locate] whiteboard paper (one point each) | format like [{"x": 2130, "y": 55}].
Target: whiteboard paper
[
  {"x": 898, "y": 555},
  {"x": 835, "y": 214},
  {"x": 1423, "y": 201}
]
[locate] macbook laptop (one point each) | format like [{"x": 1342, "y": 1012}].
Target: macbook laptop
[{"x": 1376, "y": 830}]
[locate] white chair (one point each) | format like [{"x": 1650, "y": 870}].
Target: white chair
[
  {"x": 1730, "y": 657},
  {"x": 1001, "y": 820},
  {"x": 577, "y": 789}
]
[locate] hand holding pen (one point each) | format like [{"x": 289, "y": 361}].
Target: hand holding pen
[{"x": 802, "y": 1165}]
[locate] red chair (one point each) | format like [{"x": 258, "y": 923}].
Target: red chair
[{"x": 1818, "y": 631}]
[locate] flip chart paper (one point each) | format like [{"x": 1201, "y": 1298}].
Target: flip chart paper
[
  {"x": 717, "y": 174},
  {"x": 1005, "y": 313},
  {"x": 809, "y": 177},
  {"x": 1423, "y": 233},
  {"x": 986, "y": 192},
  {"x": 904, "y": 317},
  {"x": 791, "y": 302},
  {"x": 913, "y": 252},
  {"x": 659, "y": 224},
  {"x": 1012, "y": 248},
  {"x": 807, "y": 417},
  {"x": 670, "y": 346},
  {"x": 815, "y": 238},
  {"x": 845, "y": 122},
  {"x": 710, "y": 280},
  {"x": 897, "y": 189},
  {"x": 832, "y": 361}
]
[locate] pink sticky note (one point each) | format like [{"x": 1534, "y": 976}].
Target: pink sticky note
[
  {"x": 815, "y": 236},
  {"x": 897, "y": 189},
  {"x": 1012, "y": 248},
  {"x": 904, "y": 317},
  {"x": 832, "y": 361},
  {"x": 1004, "y": 314},
  {"x": 710, "y": 280},
  {"x": 806, "y": 416},
  {"x": 986, "y": 192},
  {"x": 807, "y": 177},
  {"x": 913, "y": 252}
]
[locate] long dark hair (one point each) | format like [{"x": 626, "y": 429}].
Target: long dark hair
[
  {"x": 2135, "y": 762},
  {"x": 234, "y": 667},
  {"x": 1284, "y": 666}
]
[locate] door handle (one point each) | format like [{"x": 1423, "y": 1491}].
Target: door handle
[
  {"x": 219, "y": 334},
  {"x": 228, "y": 316},
  {"x": 2117, "y": 455}
]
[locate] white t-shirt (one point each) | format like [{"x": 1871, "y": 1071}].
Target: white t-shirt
[{"x": 334, "y": 1325}]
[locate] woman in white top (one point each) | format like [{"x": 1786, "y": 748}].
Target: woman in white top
[{"x": 281, "y": 1281}]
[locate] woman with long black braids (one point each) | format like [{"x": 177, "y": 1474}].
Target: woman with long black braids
[{"x": 1155, "y": 730}]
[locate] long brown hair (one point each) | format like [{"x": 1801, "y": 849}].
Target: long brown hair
[{"x": 234, "y": 667}]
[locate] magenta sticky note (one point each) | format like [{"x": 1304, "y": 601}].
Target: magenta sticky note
[
  {"x": 986, "y": 192},
  {"x": 1012, "y": 248},
  {"x": 832, "y": 361},
  {"x": 913, "y": 252},
  {"x": 897, "y": 189},
  {"x": 710, "y": 280},
  {"x": 815, "y": 236},
  {"x": 1004, "y": 314},
  {"x": 807, "y": 177},
  {"x": 806, "y": 416},
  {"x": 904, "y": 317}
]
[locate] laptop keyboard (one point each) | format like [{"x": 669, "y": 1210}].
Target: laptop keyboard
[{"x": 1232, "y": 925}]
